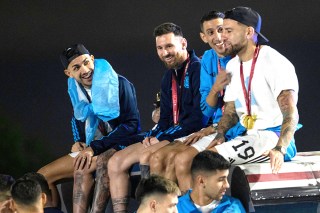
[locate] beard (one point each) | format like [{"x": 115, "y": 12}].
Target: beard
[{"x": 177, "y": 61}]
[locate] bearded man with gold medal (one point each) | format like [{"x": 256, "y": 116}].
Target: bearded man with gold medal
[{"x": 262, "y": 96}]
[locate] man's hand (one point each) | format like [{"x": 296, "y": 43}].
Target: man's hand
[
  {"x": 194, "y": 137},
  {"x": 276, "y": 160},
  {"x": 222, "y": 80},
  {"x": 219, "y": 139},
  {"x": 83, "y": 159},
  {"x": 149, "y": 141},
  {"x": 78, "y": 146},
  {"x": 6, "y": 207}
]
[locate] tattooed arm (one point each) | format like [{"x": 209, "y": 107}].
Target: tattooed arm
[
  {"x": 228, "y": 120},
  {"x": 287, "y": 101}
]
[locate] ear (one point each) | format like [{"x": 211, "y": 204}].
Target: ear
[
  {"x": 92, "y": 57},
  {"x": 203, "y": 37},
  {"x": 152, "y": 205},
  {"x": 250, "y": 32},
  {"x": 184, "y": 43},
  {"x": 44, "y": 199},
  {"x": 67, "y": 72},
  {"x": 201, "y": 180}
]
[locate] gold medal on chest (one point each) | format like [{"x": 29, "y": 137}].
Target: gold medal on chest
[{"x": 248, "y": 121}]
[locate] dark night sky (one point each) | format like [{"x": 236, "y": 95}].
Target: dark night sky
[{"x": 33, "y": 88}]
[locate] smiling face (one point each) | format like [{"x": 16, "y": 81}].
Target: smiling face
[
  {"x": 211, "y": 34},
  {"x": 81, "y": 69},
  {"x": 235, "y": 36},
  {"x": 216, "y": 184},
  {"x": 171, "y": 49}
]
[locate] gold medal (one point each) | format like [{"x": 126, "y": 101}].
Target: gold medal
[{"x": 248, "y": 121}]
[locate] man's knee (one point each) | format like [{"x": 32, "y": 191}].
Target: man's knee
[
  {"x": 170, "y": 159},
  {"x": 103, "y": 158},
  {"x": 114, "y": 163},
  {"x": 183, "y": 160},
  {"x": 156, "y": 158},
  {"x": 145, "y": 158}
]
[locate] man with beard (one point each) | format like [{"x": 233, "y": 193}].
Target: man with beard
[
  {"x": 209, "y": 184},
  {"x": 262, "y": 95},
  {"x": 180, "y": 110},
  {"x": 105, "y": 117},
  {"x": 174, "y": 162}
]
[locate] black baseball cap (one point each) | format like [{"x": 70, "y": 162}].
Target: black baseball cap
[
  {"x": 71, "y": 53},
  {"x": 249, "y": 17}
]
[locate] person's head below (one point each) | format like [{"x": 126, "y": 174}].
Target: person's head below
[
  {"x": 78, "y": 63},
  {"x": 211, "y": 31},
  {"x": 241, "y": 27},
  {"x": 6, "y": 182},
  {"x": 27, "y": 196},
  {"x": 157, "y": 194},
  {"x": 43, "y": 184},
  {"x": 209, "y": 172},
  {"x": 171, "y": 45}
]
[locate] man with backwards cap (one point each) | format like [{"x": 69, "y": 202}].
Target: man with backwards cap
[
  {"x": 105, "y": 117},
  {"x": 262, "y": 95}
]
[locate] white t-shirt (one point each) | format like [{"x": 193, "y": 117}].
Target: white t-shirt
[
  {"x": 272, "y": 74},
  {"x": 208, "y": 208}
]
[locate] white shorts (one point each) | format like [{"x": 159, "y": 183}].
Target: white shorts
[
  {"x": 201, "y": 144},
  {"x": 248, "y": 148}
]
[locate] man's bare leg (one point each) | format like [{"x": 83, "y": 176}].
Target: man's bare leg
[
  {"x": 162, "y": 161},
  {"x": 59, "y": 169},
  {"x": 102, "y": 184},
  {"x": 183, "y": 161},
  {"x": 118, "y": 168},
  {"x": 82, "y": 187},
  {"x": 145, "y": 160}
]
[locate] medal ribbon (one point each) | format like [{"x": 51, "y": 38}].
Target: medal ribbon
[
  {"x": 247, "y": 95},
  {"x": 175, "y": 99},
  {"x": 219, "y": 70}
]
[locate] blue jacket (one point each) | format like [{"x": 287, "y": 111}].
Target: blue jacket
[
  {"x": 227, "y": 205},
  {"x": 208, "y": 74},
  {"x": 190, "y": 116},
  {"x": 124, "y": 126}
]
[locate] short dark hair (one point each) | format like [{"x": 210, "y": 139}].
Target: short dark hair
[
  {"x": 208, "y": 161},
  {"x": 40, "y": 179},
  {"x": 154, "y": 185},
  {"x": 6, "y": 182},
  {"x": 25, "y": 192},
  {"x": 210, "y": 16},
  {"x": 166, "y": 28}
]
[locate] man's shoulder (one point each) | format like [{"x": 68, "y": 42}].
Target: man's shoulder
[
  {"x": 185, "y": 197},
  {"x": 208, "y": 54},
  {"x": 231, "y": 200},
  {"x": 123, "y": 80},
  {"x": 193, "y": 57}
]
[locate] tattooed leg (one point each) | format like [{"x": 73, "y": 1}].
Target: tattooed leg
[
  {"x": 83, "y": 183},
  {"x": 102, "y": 189},
  {"x": 120, "y": 205}
]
